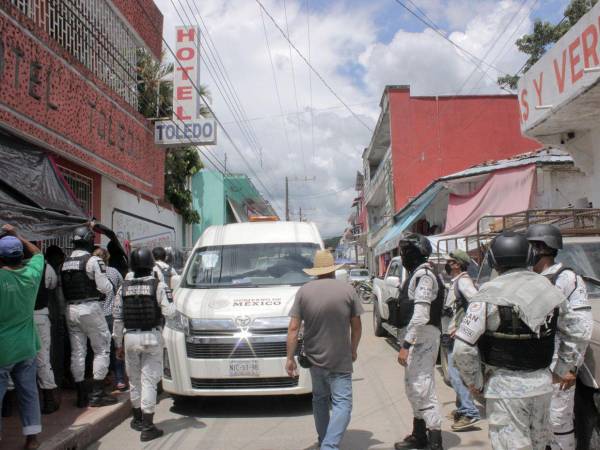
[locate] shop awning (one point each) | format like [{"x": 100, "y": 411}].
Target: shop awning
[
  {"x": 506, "y": 191},
  {"x": 405, "y": 218},
  {"x": 33, "y": 196}
]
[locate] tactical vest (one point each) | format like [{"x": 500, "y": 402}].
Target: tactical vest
[
  {"x": 461, "y": 304},
  {"x": 514, "y": 346},
  {"x": 76, "y": 285},
  {"x": 43, "y": 294},
  {"x": 140, "y": 306},
  {"x": 553, "y": 278},
  {"x": 406, "y": 306}
]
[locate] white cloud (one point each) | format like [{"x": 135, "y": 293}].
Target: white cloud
[{"x": 341, "y": 37}]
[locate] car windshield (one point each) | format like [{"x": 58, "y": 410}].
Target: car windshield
[
  {"x": 250, "y": 265},
  {"x": 359, "y": 273},
  {"x": 582, "y": 257}
]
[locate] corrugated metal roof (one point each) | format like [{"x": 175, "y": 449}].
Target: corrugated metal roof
[{"x": 545, "y": 155}]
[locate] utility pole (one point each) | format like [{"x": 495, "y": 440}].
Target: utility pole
[{"x": 287, "y": 200}]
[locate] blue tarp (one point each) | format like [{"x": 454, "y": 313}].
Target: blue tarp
[{"x": 405, "y": 218}]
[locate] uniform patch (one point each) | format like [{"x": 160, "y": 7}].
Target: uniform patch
[
  {"x": 169, "y": 294},
  {"x": 140, "y": 289}
]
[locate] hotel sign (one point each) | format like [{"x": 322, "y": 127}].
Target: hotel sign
[{"x": 187, "y": 126}]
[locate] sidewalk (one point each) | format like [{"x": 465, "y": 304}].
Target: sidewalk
[{"x": 69, "y": 427}]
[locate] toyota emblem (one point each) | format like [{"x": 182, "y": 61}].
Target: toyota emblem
[{"x": 243, "y": 321}]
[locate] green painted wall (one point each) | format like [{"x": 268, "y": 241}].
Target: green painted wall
[{"x": 211, "y": 192}]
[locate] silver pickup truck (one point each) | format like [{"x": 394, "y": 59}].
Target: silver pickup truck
[{"x": 385, "y": 290}]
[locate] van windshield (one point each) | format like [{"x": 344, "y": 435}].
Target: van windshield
[{"x": 250, "y": 265}]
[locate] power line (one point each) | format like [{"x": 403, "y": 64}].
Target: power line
[
  {"x": 287, "y": 138},
  {"x": 227, "y": 135},
  {"x": 491, "y": 47},
  {"x": 227, "y": 97},
  {"x": 325, "y": 83},
  {"x": 223, "y": 71},
  {"x": 312, "y": 116},
  {"x": 501, "y": 53},
  {"x": 287, "y": 28},
  {"x": 431, "y": 24}
]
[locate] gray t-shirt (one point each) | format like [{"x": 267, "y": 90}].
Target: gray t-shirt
[{"x": 326, "y": 307}]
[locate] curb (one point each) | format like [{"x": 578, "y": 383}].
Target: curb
[{"x": 78, "y": 437}]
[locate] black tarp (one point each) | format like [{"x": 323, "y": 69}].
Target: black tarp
[{"x": 33, "y": 197}]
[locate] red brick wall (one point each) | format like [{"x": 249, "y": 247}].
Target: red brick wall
[
  {"x": 432, "y": 138},
  {"x": 48, "y": 97},
  {"x": 145, "y": 20}
]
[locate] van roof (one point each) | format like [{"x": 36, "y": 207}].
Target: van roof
[{"x": 260, "y": 233}]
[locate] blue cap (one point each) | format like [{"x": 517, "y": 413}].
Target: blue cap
[{"x": 10, "y": 247}]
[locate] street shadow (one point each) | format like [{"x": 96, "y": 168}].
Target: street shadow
[
  {"x": 359, "y": 440},
  {"x": 453, "y": 440},
  {"x": 183, "y": 423},
  {"x": 242, "y": 407}
]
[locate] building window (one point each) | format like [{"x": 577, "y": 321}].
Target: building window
[
  {"x": 82, "y": 187},
  {"x": 93, "y": 32}
]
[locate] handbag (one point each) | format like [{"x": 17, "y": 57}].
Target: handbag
[{"x": 303, "y": 359}]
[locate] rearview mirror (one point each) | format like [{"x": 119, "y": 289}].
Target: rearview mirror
[{"x": 393, "y": 282}]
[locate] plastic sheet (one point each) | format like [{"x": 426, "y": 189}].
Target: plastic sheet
[{"x": 33, "y": 197}]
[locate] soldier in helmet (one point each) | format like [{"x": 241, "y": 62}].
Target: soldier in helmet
[
  {"x": 139, "y": 306},
  {"x": 84, "y": 283},
  {"x": 510, "y": 327},
  {"x": 420, "y": 309},
  {"x": 546, "y": 241}
]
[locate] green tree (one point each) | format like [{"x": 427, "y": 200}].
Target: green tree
[
  {"x": 155, "y": 94},
  {"x": 544, "y": 35}
]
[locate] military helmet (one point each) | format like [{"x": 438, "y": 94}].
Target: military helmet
[
  {"x": 508, "y": 250},
  {"x": 83, "y": 235},
  {"x": 141, "y": 258},
  {"x": 546, "y": 233},
  {"x": 417, "y": 241}
]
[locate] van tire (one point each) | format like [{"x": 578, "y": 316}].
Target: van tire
[{"x": 377, "y": 322}]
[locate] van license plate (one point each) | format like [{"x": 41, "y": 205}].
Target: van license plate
[{"x": 247, "y": 368}]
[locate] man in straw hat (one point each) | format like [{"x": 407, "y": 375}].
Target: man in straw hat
[{"x": 330, "y": 310}]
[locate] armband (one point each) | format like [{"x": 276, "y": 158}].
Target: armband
[{"x": 406, "y": 345}]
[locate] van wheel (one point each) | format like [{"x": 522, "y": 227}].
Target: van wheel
[
  {"x": 444, "y": 364},
  {"x": 377, "y": 322}
]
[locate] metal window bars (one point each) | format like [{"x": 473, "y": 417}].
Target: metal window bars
[{"x": 93, "y": 32}]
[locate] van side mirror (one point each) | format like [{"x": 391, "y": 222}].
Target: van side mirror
[{"x": 393, "y": 282}]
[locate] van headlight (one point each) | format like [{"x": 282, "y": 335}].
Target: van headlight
[
  {"x": 179, "y": 322},
  {"x": 267, "y": 323}
]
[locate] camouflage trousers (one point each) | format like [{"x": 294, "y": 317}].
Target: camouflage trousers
[
  {"x": 519, "y": 423},
  {"x": 561, "y": 418},
  {"x": 419, "y": 382}
]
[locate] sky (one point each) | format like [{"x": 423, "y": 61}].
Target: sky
[{"x": 292, "y": 124}]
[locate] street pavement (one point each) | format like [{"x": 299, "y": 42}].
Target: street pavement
[{"x": 381, "y": 414}]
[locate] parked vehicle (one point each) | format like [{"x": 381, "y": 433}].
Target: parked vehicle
[
  {"x": 359, "y": 275},
  {"x": 385, "y": 290},
  {"x": 229, "y": 334}
]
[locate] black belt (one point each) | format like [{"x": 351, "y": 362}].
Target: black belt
[{"x": 139, "y": 330}]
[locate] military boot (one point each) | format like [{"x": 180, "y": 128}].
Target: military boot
[
  {"x": 435, "y": 440},
  {"x": 417, "y": 439},
  {"x": 82, "y": 394},
  {"x": 99, "y": 397},
  {"x": 49, "y": 401},
  {"x": 149, "y": 430},
  {"x": 136, "y": 422}
]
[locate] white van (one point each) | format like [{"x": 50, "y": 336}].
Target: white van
[{"x": 229, "y": 333}]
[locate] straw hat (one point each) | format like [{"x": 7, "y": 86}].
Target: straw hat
[{"x": 322, "y": 264}]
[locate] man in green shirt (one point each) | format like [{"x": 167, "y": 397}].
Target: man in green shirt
[{"x": 19, "y": 342}]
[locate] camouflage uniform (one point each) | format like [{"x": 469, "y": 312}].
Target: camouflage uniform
[
  {"x": 563, "y": 402},
  {"x": 517, "y": 402},
  {"x": 419, "y": 378}
]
